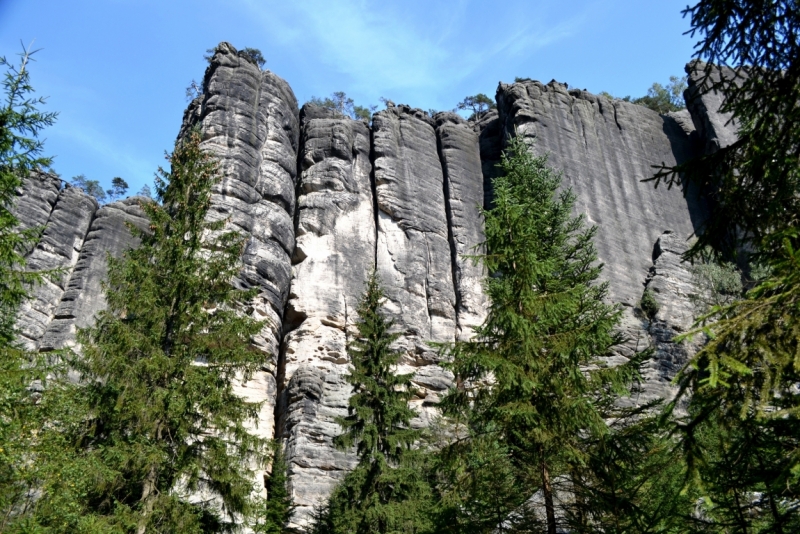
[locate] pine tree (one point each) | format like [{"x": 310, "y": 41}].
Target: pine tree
[
  {"x": 163, "y": 434},
  {"x": 21, "y": 417},
  {"x": 387, "y": 492},
  {"x": 526, "y": 392},
  {"x": 20, "y": 153}
]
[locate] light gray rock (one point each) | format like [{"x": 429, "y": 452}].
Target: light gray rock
[
  {"x": 58, "y": 249},
  {"x": 459, "y": 152},
  {"x": 334, "y": 254},
  {"x": 414, "y": 256},
  {"x": 605, "y": 148},
  {"x": 249, "y": 120},
  {"x": 35, "y": 199},
  {"x": 715, "y": 129},
  {"x": 83, "y": 297},
  {"x": 670, "y": 282}
]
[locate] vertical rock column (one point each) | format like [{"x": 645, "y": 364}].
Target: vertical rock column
[
  {"x": 59, "y": 248},
  {"x": 249, "y": 121},
  {"x": 459, "y": 151},
  {"x": 413, "y": 251},
  {"x": 83, "y": 297},
  {"x": 335, "y": 253},
  {"x": 671, "y": 285},
  {"x": 36, "y": 199}
]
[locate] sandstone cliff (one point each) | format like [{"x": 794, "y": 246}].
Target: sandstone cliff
[{"x": 324, "y": 200}]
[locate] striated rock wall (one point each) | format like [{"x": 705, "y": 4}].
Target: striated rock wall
[
  {"x": 324, "y": 200},
  {"x": 335, "y": 252}
]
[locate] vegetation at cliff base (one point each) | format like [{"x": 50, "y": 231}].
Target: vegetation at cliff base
[{"x": 387, "y": 491}]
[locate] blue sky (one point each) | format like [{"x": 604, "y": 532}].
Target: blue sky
[{"x": 117, "y": 70}]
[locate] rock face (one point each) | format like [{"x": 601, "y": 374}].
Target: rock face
[
  {"x": 324, "y": 200},
  {"x": 249, "y": 121},
  {"x": 335, "y": 253},
  {"x": 716, "y": 129},
  {"x": 83, "y": 294},
  {"x": 58, "y": 249}
]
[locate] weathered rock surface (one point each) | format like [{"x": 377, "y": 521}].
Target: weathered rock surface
[
  {"x": 605, "y": 148},
  {"x": 83, "y": 296},
  {"x": 334, "y": 254},
  {"x": 414, "y": 257},
  {"x": 36, "y": 198},
  {"x": 716, "y": 130},
  {"x": 58, "y": 249},
  {"x": 459, "y": 152},
  {"x": 670, "y": 282}
]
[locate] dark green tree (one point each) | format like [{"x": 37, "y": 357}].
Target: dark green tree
[
  {"x": 278, "y": 506},
  {"x": 527, "y": 389},
  {"x": 20, "y": 153},
  {"x": 387, "y": 491},
  {"x": 21, "y": 418},
  {"x": 477, "y": 104},
  {"x": 254, "y": 55},
  {"x": 118, "y": 188},
  {"x": 157, "y": 371},
  {"x": 344, "y": 105},
  {"x": 741, "y": 436}
]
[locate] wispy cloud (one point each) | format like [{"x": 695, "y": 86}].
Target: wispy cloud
[{"x": 381, "y": 45}]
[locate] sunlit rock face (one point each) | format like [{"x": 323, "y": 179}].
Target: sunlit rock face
[{"x": 324, "y": 200}]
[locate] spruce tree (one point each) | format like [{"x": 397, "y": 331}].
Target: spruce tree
[
  {"x": 162, "y": 433},
  {"x": 21, "y": 417},
  {"x": 278, "y": 507},
  {"x": 527, "y": 392},
  {"x": 387, "y": 491}
]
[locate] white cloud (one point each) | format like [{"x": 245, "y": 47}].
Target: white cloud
[{"x": 390, "y": 47}]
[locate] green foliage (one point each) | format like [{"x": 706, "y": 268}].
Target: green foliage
[
  {"x": 649, "y": 304},
  {"x": 477, "y": 104},
  {"x": 118, "y": 188},
  {"x": 664, "y": 99},
  {"x": 717, "y": 282},
  {"x": 527, "y": 394},
  {"x": 632, "y": 481},
  {"x": 278, "y": 506},
  {"x": 342, "y": 104},
  {"x": 157, "y": 373},
  {"x": 254, "y": 55},
  {"x": 20, "y": 153},
  {"x": 744, "y": 406},
  {"x": 145, "y": 191},
  {"x": 756, "y": 178},
  {"x": 387, "y": 491},
  {"x": 90, "y": 187}
]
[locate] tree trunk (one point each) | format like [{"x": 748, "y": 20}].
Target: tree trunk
[
  {"x": 549, "y": 508},
  {"x": 148, "y": 496}
]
